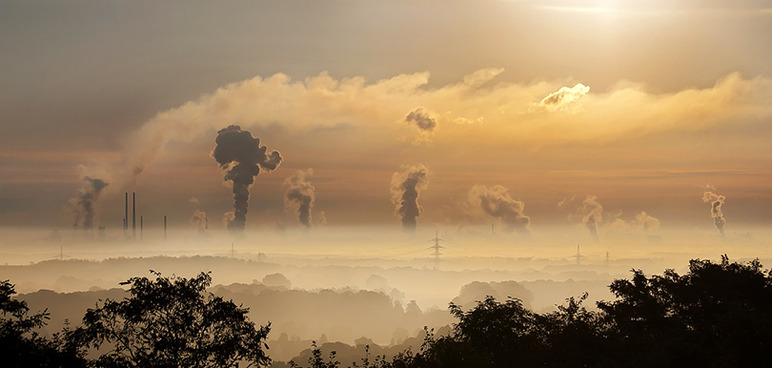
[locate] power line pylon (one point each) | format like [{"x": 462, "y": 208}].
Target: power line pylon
[
  {"x": 578, "y": 255},
  {"x": 436, "y": 247}
]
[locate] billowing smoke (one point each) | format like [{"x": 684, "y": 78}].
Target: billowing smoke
[
  {"x": 589, "y": 212},
  {"x": 406, "y": 186},
  {"x": 646, "y": 222},
  {"x": 321, "y": 218},
  {"x": 592, "y": 215},
  {"x": 497, "y": 203},
  {"x": 242, "y": 156},
  {"x": 84, "y": 202},
  {"x": 565, "y": 95},
  {"x": 716, "y": 207},
  {"x": 199, "y": 221},
  {"x": 421, "y": 119},
  {"x": 300, "y": 195}
]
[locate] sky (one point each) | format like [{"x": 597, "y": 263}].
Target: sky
[{"x": 518, "y": 113}]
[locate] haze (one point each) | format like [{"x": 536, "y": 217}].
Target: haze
[{"x": 557, "y": 144}]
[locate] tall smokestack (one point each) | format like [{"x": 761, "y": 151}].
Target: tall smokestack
[
  {"x": 126, "y": 214},
  {"x": 164, "y": 227},
  {"x": 133, "y": 216}
]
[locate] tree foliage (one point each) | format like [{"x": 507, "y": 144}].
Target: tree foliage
[
  {"x": 172, "y": 322},
  {"x": 716, "y": 315},
  {"x": 20, "y": 343}
]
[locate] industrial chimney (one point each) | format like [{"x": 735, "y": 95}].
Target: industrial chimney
[{"x": 133, "y": 216}]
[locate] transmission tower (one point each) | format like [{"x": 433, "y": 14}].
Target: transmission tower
[
  {"x": 436, "y": 247},
  {"x": 578, "y": 255}
]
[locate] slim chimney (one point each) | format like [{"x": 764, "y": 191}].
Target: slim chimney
[
  {"x": 126, "y": 214},
  {"x": 164, "y": 227},
  {"x": 133, "y": 216}
]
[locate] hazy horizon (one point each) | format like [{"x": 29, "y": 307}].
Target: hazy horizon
[{"x": 549, "y": 146}]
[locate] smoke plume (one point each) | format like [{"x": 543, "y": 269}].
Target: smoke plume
[
  {"x": 199, "y": 221},
  {"x": 300, "y": 195},
  {"x": 84, "y": 202},
  {"x": 589, "y": 212},
  {"x": 421, "y": 119},
  {"x": 716, "y": 206},
  {"x": 497, "y": 203},
  {"x": 242, "y": 156},
  {"x": 646, "y": 222},
  {"x": 405, "y": 188},
  {"x": 592, "y": 215}
]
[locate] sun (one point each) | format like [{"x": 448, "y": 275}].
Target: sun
[{"x": 590, "y": 7}]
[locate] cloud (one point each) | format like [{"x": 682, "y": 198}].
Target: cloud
[
  {"x": 564, "y": 96},
  {"x": 503, "y": 113}
]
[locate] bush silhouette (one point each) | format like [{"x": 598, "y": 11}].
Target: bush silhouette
[
  {"x": 716, "y": 315},
  {"x": 20, "y": 343},
  {"x": 172, "y": 322}
]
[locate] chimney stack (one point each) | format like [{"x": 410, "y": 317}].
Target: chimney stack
[
  {"x": 164, "y": 227},
  {"x": 133, "y": 216},
  {"x": 126, "y": 214}
]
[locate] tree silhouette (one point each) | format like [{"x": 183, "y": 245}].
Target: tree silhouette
[
  {"x": 20, "y": 343},
  {"x": 718, "y": 314},
  {"x": 172, "y": 322}
]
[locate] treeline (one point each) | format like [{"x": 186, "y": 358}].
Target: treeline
[
  {"x": 715, "y": 315},
  {"x": 296, "y": 315}
]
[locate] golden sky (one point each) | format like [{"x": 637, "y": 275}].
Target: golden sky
[{"x": 639, "y": 104}]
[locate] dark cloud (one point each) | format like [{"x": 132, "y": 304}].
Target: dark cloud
[
  {"x": 716, "y": 207},
  {"x": 300, "y": 195},
  {"x": 405, "y": 189},
  {"x": 242, "y": 156},
  {"x": 84, "y": 203},
  {"x": 497, "y": 203},
  {"x": 421, "y": 119}
]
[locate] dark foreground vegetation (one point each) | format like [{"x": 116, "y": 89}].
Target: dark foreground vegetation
[{"x": 715, "y": 315}]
